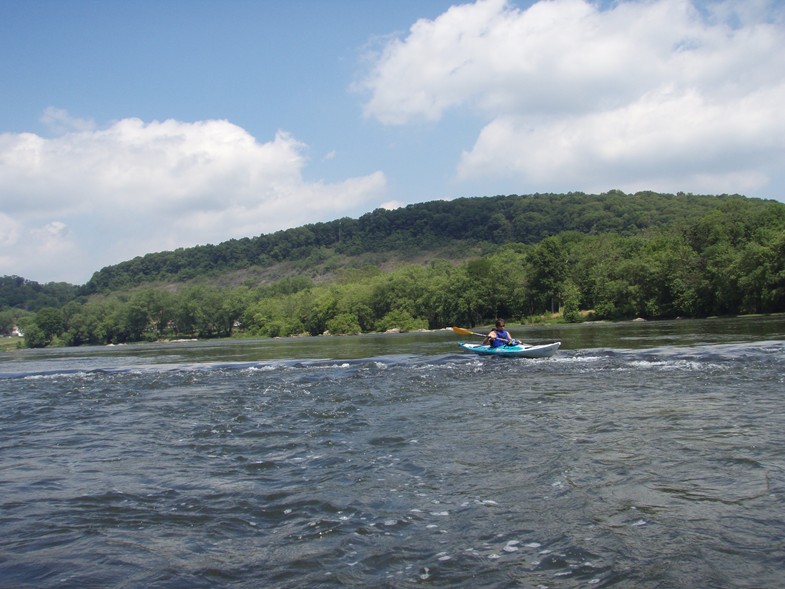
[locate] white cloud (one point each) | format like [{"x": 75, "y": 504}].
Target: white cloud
[
  {"x": 52, "y": 241},
  {"x": 662, "y": 94},
  {"x": 85, "y": 199},
  {"x": 60, "y": 121},
  {"x": 9, "y": 230},
  {"x": 659, "y": 142}
]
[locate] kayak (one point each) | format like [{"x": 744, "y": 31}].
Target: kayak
[{"x": 517, "y": 351}]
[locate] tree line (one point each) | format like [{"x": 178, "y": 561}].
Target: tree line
[{"x": 729, "y": 260}]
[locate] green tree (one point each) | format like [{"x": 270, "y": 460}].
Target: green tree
[
  {"x": 50, "y": 322},
  {"x": 82, "y": 323},
  {"x": 317, "y": 309},
  {"x": 35, "y": 337},
  {"x": 549, "y": 264},
  {"x": 7, "y": 321},
  {"x": 344, "y": 324},
  {"x": 480, "y": 299},
  {"x": 355, "y": 300},
  {"x": 399, "y": 319},
  {"x": 132, "y": 322},
  {"x": 399, "y": 290},
  {"x": 572, "y": 297},
  {"x": 233, "y": 307},
  {"x": 198, "y": 312},
  {"x": 508, "y": 269},
  {"x": 760, "y": 270},
  {"x": 441, "y": 299},
  {"x": 155, "y": 310}
]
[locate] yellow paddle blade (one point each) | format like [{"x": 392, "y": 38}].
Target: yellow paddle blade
[
  {"x": 462, "y": 330},
  {"x": 466, "y": 332}
]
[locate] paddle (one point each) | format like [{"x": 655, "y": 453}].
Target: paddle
[
  {"x": 463, "y": 331},
  {"x": 466, "y": 331}
]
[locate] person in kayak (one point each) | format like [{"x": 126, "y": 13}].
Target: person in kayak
[{"x": 499, "y": 336}]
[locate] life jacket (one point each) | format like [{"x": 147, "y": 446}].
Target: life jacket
[{"x": 501, "y": 338}]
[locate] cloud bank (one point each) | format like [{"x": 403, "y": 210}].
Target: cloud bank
[
  {"x": 563, "y": 95},
  {"x": 90, "y": 198},
  {"x": 661, "y": 94}
]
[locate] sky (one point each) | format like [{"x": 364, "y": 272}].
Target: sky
[{"x": 128, "y": 128}]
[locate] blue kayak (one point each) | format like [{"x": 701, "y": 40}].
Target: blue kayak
[{"x": 517, "y": 351}]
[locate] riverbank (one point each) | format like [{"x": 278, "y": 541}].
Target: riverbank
[{"x": 10, "y": 343}]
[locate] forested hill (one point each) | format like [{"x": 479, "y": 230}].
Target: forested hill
[
  {"x": 463, "y": 262},
  {"x": 409, "y": 232}
]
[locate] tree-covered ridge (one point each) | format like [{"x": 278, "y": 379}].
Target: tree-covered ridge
[
  {"x": 730, "y": 260},
  {"x": 19, "y": 296},
  {"x": 652, "y": 256},
  {"x": 29, "y": 295},
  {"x": 422, "y": 227}
]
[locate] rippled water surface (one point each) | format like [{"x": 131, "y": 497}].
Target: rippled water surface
[{"x": 641, "y": 455}]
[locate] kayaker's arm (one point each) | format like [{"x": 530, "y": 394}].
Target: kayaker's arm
[{"x": 491, "y": 336}]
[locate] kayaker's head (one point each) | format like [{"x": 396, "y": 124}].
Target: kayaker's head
[{"x": 500, "y": 324}]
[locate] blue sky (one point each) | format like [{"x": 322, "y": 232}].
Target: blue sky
[{"x": 133, "y": 127}]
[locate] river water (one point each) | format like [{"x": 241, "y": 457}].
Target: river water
[{"x": 646, "y": 455}]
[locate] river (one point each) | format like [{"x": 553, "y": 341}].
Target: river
[{"x": 646, "y": 455}]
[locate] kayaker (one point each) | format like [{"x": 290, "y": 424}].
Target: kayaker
[{"x": 499, "y": 336}]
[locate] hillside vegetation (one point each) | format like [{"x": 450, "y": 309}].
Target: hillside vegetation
[
  {"x": 461, "y": 262},
  {"x": 406, "y": 233}
]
